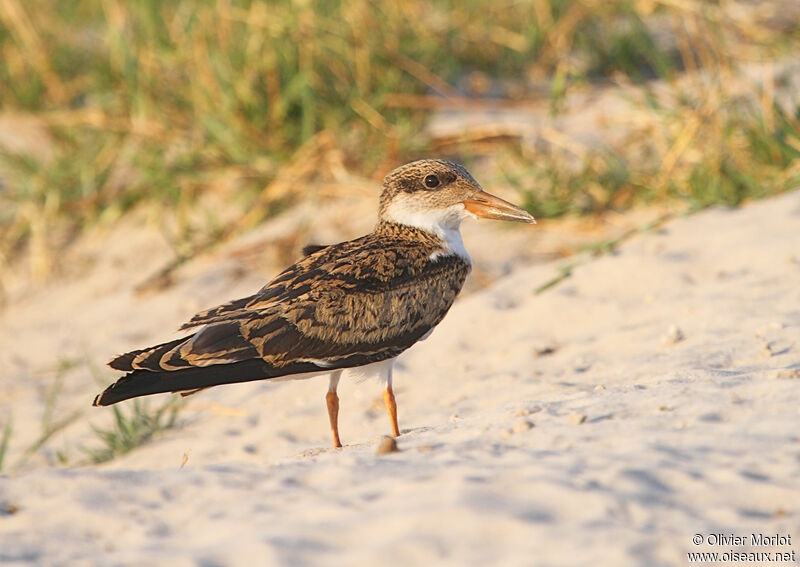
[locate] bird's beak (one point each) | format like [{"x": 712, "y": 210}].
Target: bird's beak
[{"x": 487, "y": 206}]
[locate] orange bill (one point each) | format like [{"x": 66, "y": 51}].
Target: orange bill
[{"x": 487, "y": 206}]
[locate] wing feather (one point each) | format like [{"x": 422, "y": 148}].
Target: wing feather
[{"x": 223, "y": 312}]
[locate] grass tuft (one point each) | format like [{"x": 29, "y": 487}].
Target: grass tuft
[
  {"x": 165, "y": 102},
  {"x": 133, "y": 429}
]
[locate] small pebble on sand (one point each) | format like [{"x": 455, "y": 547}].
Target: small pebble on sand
[
  {"x": 673, "y": 335},
  {"x": 775, "y": 348},
  {"x": 528, "y": 410},
  {"x": 582, "y": 363},
  {"x": 544, "y": 348},
  {"x": 576, "y": 418},
  {"x": 386, "y": 446},
  {"x": 522, "y": 425}
]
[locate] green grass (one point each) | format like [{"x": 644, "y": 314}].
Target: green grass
[
  {"x": 4, "y": 441},
  {"x": 135, "y": 424},
  {"x": 600, "y": 248},
  {"x": 732, "y": 155},
  {"x": 564, "y": 272},
  {"x": 133, "y": 428},
  {"x": 50, "y": 426},
  {"x": 164, "y": 102}
]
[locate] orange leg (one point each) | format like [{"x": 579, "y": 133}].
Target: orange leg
[
  {"x": 332, "y": 398},
  {"x": 391, "y": 407}
]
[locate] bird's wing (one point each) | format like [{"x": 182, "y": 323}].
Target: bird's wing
[
  {"x": 238, "y": 307},
  {"x": 345, "y": 305},
  {"x": 348, "y": 314}
]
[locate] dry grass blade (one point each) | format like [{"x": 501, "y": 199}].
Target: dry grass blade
[{"x": 4, "y": 442}]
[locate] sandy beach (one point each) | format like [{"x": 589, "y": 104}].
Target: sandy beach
[{"x": 651, "y": 396}]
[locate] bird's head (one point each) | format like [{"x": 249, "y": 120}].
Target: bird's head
[{"x": 437, "y": 195}]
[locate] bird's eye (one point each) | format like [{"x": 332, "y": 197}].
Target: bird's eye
[{"x": 431, "y": 181}]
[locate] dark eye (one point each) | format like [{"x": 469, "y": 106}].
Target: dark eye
[{"x": 431, "y": 181}]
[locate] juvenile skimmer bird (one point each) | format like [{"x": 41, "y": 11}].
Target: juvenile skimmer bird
[{"x": 359, "y": 303}]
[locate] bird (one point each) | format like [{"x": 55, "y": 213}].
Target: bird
[{"x": 355, "y": 304}]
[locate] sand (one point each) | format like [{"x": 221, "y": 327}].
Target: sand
[{"x": 651, "y": 396}]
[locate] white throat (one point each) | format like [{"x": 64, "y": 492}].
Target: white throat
[{"x": 443, "y": 223}]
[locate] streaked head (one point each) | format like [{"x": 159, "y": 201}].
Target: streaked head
[{"x": 438, "y": 194}]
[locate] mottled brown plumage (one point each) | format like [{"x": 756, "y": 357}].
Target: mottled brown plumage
[{"x": 345, "y": 305}]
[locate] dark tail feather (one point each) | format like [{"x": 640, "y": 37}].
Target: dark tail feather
[
  {"x": 144, "y": 382},
  {"x": 125, "y": 361}
]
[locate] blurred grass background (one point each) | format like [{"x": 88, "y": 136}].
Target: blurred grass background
[{"x": 107, "y": 104}]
